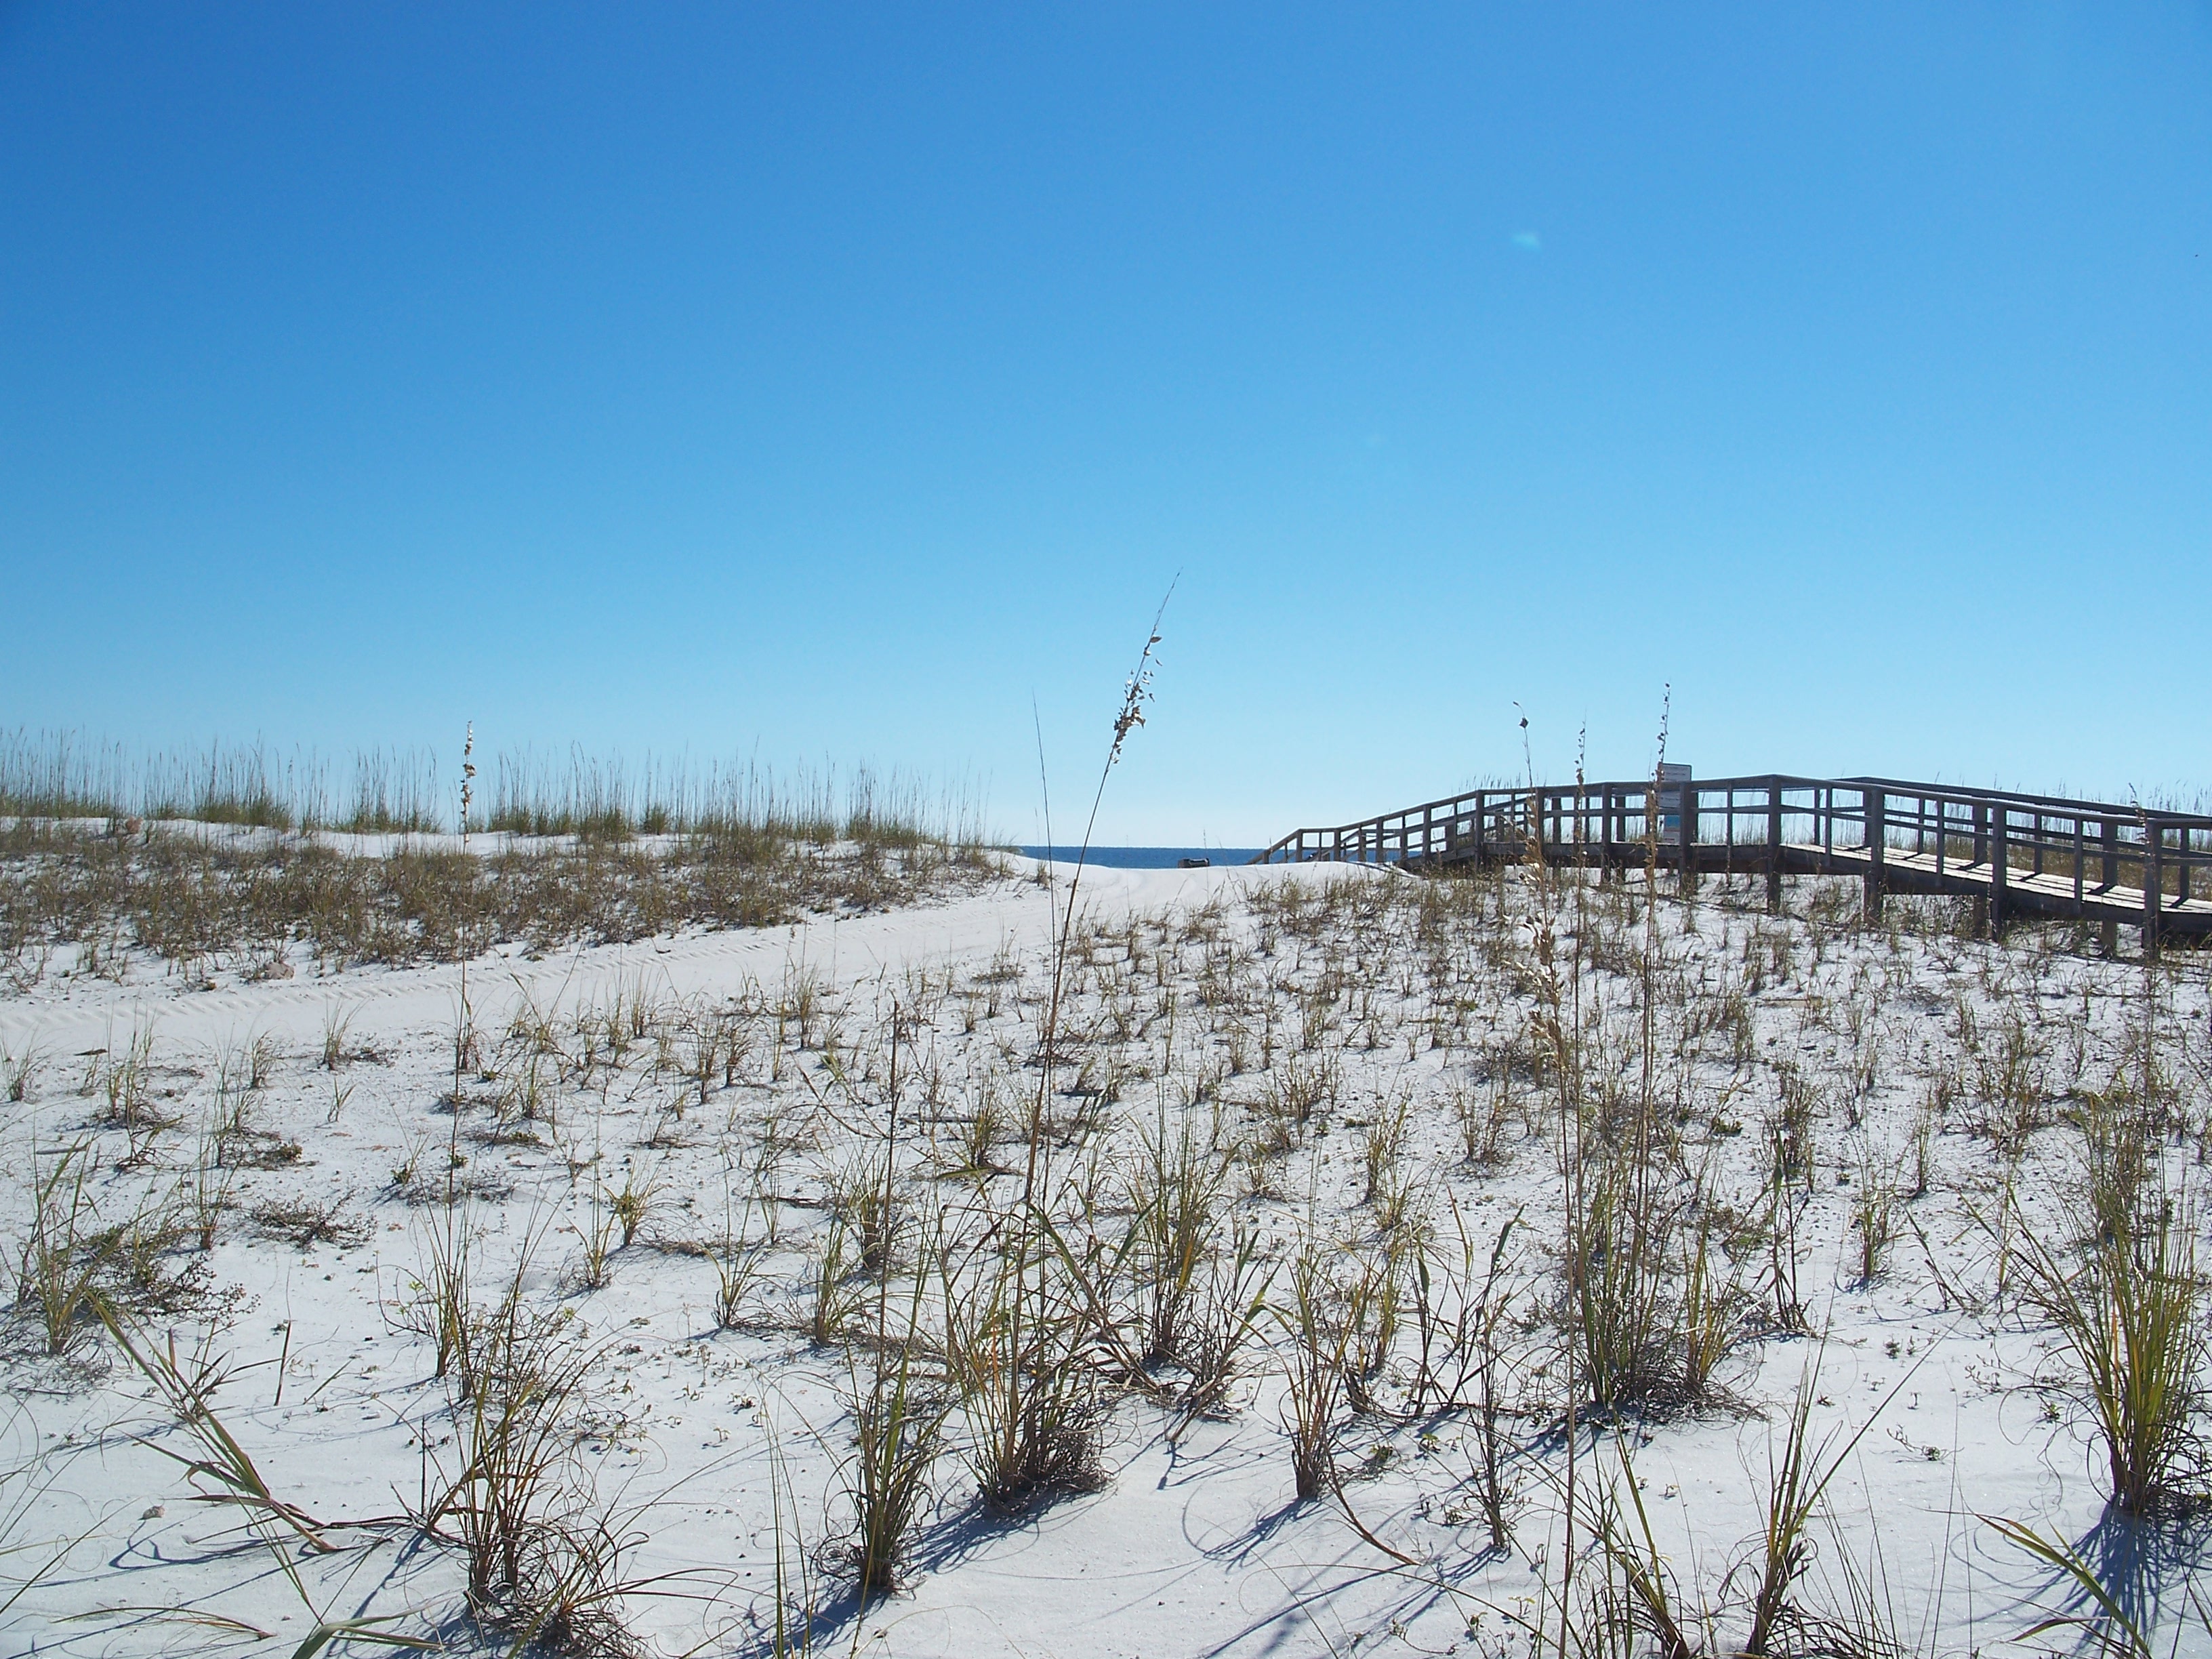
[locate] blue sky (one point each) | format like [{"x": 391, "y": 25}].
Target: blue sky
[{"x": 845, "y": 382}]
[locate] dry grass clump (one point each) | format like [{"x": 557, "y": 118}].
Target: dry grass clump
[
  {"x": 2122, "y": 1288},
  {"x": 71, "y": 1262},
  {"x": 1627, "y": 1595},
  {"x": 196, "y": 903},
  {"x": 899, "y": 1416},
  {"x": 62, "y": 1262},
  {"x": 542, "y": 1558},
  {"x": 303, "y": 1222},
  {"x": 1017, "y": 1341},
  {"x": 1319, "y": 1322},
  {"x": 61, "y": 774},
  {"x": 546, "y": 1554},
  {"x": 96, "y": 863}
]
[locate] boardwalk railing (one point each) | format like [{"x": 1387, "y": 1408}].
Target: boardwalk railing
[{"x": 2020, "y": 854}]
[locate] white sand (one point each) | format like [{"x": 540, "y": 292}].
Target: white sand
[{"x": 1196, "y": 1548}]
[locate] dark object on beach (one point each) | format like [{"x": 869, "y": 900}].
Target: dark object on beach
[{"x": 1196, "y": 864}]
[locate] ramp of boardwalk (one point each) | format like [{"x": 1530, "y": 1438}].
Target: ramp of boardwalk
[{"x": 2019, "y": 855}]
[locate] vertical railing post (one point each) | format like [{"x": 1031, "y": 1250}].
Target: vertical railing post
[
  {"x": 2000, "y": 866},
  {"x": 2154, "y": 888},
  {"x": 1877, "y": 832},
  {"x": 1774, "y": 847},
  {"x": 1688, "y": 816},
  {"x": 2108, "y": 878}
]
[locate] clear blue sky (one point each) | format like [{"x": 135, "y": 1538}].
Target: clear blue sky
[{"x": 831, "y": 381}]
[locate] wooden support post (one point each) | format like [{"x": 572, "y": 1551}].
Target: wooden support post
[
  {"x": 1877, "y": 832},
  {"x": 2108, "y": 878},
  {"x": 2000, "y": 868},
  {"x": 2154, "y": 889},
  {"x": 1774, "y": 847},
  {"x": 1686, "y": 816}
]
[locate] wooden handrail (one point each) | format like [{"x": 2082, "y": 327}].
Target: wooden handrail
[{"x": 1904, "y": 812}]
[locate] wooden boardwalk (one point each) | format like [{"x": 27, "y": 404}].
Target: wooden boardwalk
[{"x": 2017, "y": 856}]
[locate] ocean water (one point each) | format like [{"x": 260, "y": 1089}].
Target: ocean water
[{"x": 1144, "y": 858}]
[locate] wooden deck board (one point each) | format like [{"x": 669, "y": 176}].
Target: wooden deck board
[{"x": 2122, "y": 903}]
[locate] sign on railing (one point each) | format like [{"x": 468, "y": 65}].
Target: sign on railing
[{"x": 1673, "y": 776}]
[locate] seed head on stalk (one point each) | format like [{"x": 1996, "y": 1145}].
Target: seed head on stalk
[
  {"x": 1138, "y": 692},
  {"x": 468, "y": 780}
]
